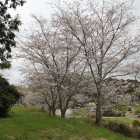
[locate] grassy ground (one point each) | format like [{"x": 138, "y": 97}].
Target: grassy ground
[
  {"x": 137, "y": 110},
  {"x": 32, "y": 124},
  {"x": 79, "y": 112}
]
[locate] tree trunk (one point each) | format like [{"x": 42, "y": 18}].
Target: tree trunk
[
  {"x": 63, "y": 113},
  {"x": 53, "y": 112},
  {"x": 50, "y": 112},
  {"x": 98, "y": 114}
]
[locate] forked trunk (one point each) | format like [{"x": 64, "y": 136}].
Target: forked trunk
[{"x": 52, "y": 112}]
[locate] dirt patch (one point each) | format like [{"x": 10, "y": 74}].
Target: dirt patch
[
  {"x": 100, "y": 139},
  {"x": 83, "y": 138},
  {"x": 11, "y": 137}
]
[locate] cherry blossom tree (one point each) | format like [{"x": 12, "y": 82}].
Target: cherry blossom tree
[
  {"x": 46, "y": 91},
  {"x": 52, "y": 64},
  {"x": 30, "y": 98},
  {"x": 135, "y": 74},
  {"x": 103, "y": 31}
]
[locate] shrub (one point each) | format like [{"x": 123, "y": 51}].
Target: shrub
[
  {"x": 8, "y": 97},
  {"x": 119, "y": 127},
  {"x": 112, "y": 114},
  {"x": 124, "y": 129},
  {"x": 137, "y": 111},
  {"x": 129, "y": 109},
  {"x": 136, "y": 123},
  {"x": 136, "y": 133}
]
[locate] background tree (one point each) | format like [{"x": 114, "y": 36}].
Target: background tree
[
  {"x": 8, "y": 26},
  {"x": 135, "y": 74},
  {"x": 46, "y": 90},
  {"x": 103, "y": 31},
  {"x": 8, "y": 97},
  {"x": 30, "y": 98}
]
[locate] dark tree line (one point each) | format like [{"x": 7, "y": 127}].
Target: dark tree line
[
  {"x": 8, "y": 26},
  {"x": 8, "y": 97}
]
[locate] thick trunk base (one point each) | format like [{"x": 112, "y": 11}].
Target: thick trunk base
[{"x": 98, "y": 115}]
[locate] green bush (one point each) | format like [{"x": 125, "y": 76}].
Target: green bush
[
  {"x": 136, "y": 123},
  {"x": 137, "y": 111},
  {"x": 112, "y": 114},
  {"x": 124, "y": 129},
  {"x": 136, "y": 133},
  {"x": 129, "y": 109},
  {"x": 120, "y": 108},
  {"x": 8, "y": 97},
  {"x": 119, "y": 127}
]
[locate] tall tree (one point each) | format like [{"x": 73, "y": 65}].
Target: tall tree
[
  {"x": 8, "y": 26},
  {"x": 103, "y": 31}
]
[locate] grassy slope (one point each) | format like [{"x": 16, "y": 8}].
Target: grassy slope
[{"x": 31, "y": 124}]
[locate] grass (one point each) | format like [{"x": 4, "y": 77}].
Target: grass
[
  {"x": 32, "y": 124},
  {"x": 79, "y": 112},
  {"x": 137, "y": 110}
]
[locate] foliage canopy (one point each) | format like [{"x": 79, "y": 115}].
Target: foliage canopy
[
  {"x": 8, "y": 96},
  {"x": 8, "y": 26}
]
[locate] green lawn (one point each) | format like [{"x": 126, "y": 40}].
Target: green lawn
[
  {"x": 79, "y": 112},
  {"x": 32, "y": 124},
  {"x": 137, "y": 110}
]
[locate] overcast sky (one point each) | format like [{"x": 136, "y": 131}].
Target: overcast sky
[{"x": 42, "y": 8}]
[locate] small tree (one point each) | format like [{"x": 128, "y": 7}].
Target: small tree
[{"x": 8, "y": 97}]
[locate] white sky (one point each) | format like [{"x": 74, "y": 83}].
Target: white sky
[{"x": 42, "y": 8}]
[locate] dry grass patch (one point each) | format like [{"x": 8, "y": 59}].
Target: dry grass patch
[{"x": 11, "y": 137}]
